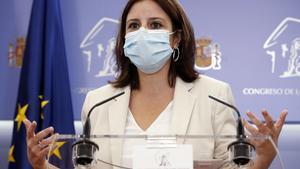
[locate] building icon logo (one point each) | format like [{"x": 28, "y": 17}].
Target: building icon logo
[
  {"x": 98, "y": 48},
  {"x": 283, "y": 45}
]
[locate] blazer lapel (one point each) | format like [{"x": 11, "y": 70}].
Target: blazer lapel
[
  {"x": 117, "y": 121},
  {"x": 183, "y": 106}
]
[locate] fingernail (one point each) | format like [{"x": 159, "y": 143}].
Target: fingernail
[{"x": 264, "y": 110}]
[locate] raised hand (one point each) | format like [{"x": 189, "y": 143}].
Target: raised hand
[
  {"x": 265, "y": 151},
  {"x": 37, "y": 144}
]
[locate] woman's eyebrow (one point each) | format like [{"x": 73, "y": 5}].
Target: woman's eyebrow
[
  {"x": 151, "y": 18},
  {"x": 156, "y": 18},
  {"x": 132, "y": 20}
]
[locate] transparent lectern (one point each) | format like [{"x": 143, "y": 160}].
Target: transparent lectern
[{"x": 155, "y": 152}]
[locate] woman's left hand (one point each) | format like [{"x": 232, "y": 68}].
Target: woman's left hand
[{"x": 265, "y": 151}]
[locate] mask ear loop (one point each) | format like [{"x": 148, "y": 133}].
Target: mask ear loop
[{"x": 176, "y": 50}]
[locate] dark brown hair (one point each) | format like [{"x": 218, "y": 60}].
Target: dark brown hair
[{"x": 183, "y": 67}]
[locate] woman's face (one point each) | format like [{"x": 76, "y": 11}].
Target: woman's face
[{"x": 149, "y": 15}]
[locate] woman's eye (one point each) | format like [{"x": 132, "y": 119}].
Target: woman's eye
[
  {"x": 133, "y": 26},
  {"x": 156, "y": 25}
]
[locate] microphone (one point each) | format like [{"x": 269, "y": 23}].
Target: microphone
[
  {"x": 84, "y": 149},
  {"x": 241, "y": 151}
]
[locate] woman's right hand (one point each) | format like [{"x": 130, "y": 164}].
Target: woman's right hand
[{"x": 37, "y": 144}]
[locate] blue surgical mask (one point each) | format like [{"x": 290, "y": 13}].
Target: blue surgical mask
[{"x": 148, "y": 50}]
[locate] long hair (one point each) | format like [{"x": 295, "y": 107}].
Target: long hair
[{"x": 183, "y": 67}]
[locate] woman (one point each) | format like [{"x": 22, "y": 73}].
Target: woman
[{"x": 163, "y": 93}]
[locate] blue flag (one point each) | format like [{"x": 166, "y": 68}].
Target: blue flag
[{"x": 44, "y": 90}]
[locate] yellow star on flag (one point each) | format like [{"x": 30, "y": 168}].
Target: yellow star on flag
[
  {"x": 10, "y": 154},
  {"x": 56, "y": 151},
  {"x": 43, "y": 104},
  {"x": 21, "y": 115},
  {"x": 42, "y": 115}
]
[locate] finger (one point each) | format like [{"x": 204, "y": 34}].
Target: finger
[
  {"x": 255, "y": 120},
  {"x": 31, "y": 129},
  {"x": 36, "y": 149},
  {"x": 44, "y": 152},
  {"x": 44, "y": 133},
  {"x": 280, "y": 121},
  {"x": 250, "y": 128},
  {"x": 268, "y": 118},
  {"x": 46, "y": 142},
  {"x": 40, "y": 156},
  {"x": 27, "y": 123}
]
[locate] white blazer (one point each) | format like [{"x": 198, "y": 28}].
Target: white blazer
[{"x": 193, "y": 113}]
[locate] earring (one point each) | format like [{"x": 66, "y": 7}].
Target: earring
[{"x": 176, "y": 50}]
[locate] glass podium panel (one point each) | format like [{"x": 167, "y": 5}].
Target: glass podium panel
[{"x": 155, "y": 151}]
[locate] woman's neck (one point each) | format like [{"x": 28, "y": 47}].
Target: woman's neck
[{"x": 155, "y": 84}]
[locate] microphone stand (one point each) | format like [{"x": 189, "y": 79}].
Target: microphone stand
[
  {"x": 240, "y": 150},
  {"x": 84, "y": 149}
]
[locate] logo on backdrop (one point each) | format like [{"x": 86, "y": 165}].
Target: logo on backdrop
[
  {"x": 208, "y": 55},
  {"x": 283, "y": 45},
  {"x": 98, "y": 48},
  {"x": 16, "y": 52},
  {"x": 162, "y": 158}
]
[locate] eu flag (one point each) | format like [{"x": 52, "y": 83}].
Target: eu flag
[{"x": 44, "y": 90}]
